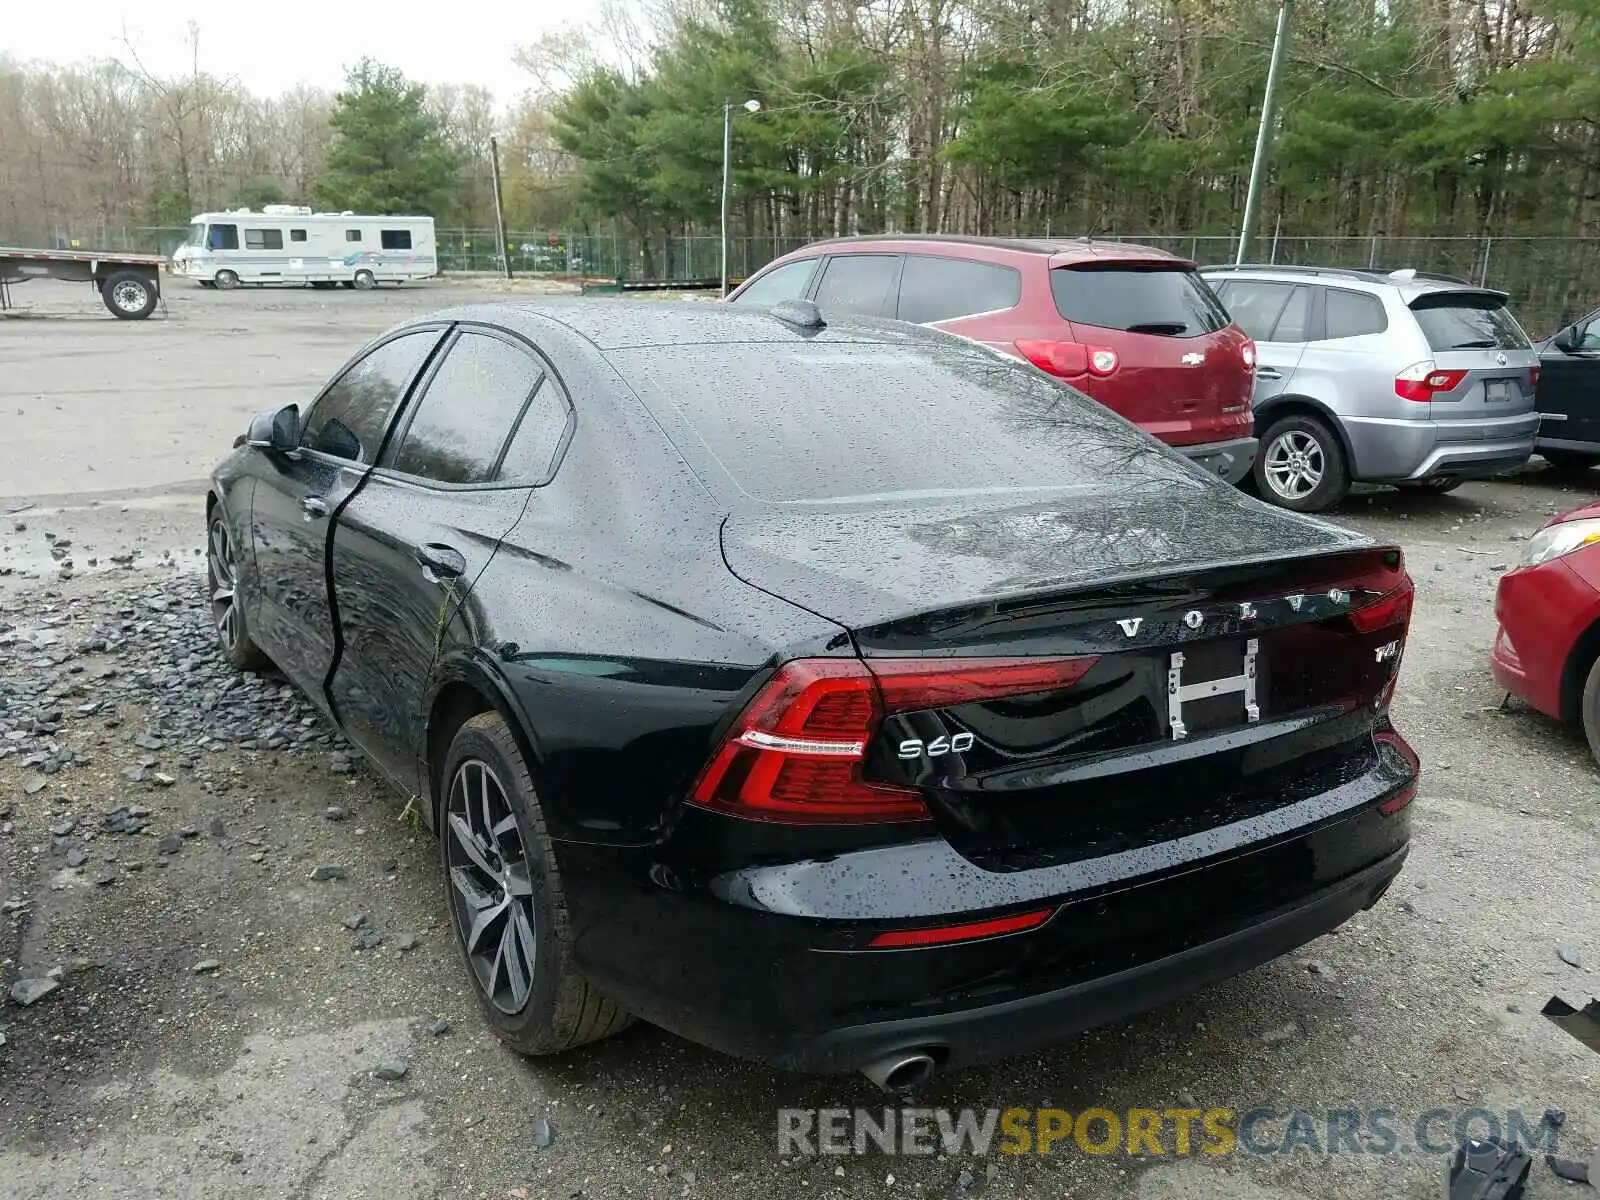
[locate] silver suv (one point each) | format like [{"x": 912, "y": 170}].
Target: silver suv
[{"x": 1395, "y": 377}]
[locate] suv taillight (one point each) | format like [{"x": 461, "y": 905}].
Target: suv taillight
[
  {"x": 795, "y": 753},
  {"x": 1533, "y": 378},
  {"x": 1422, "y": 380},
  {"x": 1069, "y": 360}
]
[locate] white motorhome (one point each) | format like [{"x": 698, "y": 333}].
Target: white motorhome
[{"x": 286, "y": 243}]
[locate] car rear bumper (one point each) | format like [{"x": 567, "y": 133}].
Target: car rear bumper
[
  {"x": 1230, "y": 461},
  {"x": 773, "y": 962},
  {"x": 1385, "y": 450}
]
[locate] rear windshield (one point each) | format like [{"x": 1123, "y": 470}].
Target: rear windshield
[
  {"x": 837, "y": 421},
  {"x": 1468, "y": 322},
  {"x": 1172, "y": 301}
]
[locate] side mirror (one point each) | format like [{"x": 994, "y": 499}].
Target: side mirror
[
  {"x": 275, "y": 431},
  {"x": 1567, "y": 340}
]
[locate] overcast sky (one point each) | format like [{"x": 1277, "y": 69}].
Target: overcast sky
[{"x": 270, "y": 45}]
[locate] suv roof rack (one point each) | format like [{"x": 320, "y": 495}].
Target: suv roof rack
[{"x": 1403, "y": 275}]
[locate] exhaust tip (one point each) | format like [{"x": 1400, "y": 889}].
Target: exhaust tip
[{"x": 901, "y": 1071}]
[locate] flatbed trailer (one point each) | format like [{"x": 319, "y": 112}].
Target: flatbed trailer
[{"x": 129, "y": 284}]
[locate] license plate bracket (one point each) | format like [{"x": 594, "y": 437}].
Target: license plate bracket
[
  {"x": 1202, "y": 705},
  {"x": 1497, "y": 391}
]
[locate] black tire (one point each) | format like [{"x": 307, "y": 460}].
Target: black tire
[
  {"x": 226, "y": 597},
  {"x": 130, "y": 296},
  {"x": 513, "y": 870},
  {"x": 1590, "y": 711},
  {"x": 364, "y": 281},
  {"x": 227, "y": 280},
  {"x": 1280, "y": 477},
  {"x": 1569, "y": 462}
]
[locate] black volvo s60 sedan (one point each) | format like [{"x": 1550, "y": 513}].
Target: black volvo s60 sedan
[{"x": 839, "y": 694}]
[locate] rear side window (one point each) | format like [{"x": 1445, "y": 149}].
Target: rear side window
[
  {"x": 471, "y": 407},
  {"x": 941, "y": 289},
  {"x": 348, "y": 420},
  {"x": 788, "y": 282},
  {"x": 263, "y": 239},
  {"x": 1352, "y": 314},
  {"x": 858, "y": 283},
  {"x": 395, "y": 239},
  {"x": 1467, "y": 321},
  {"x": 297, "y": 235},
  {"x": 796, "y": 422},
  {"x": 1172, "y": 301}
]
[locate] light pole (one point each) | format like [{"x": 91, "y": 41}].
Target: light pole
[
  {"x": 1258, "y": 165},
  {"x": 750, "y": 106}
]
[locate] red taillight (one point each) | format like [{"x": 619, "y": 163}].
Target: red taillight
[
  {"x": 1422, "y": 380},
  {"x": 795, "y": 753},
  {"x": 1248, "y": 353},
  {"x": 1409, "y": 792},
  {"x": 1391, "y": 608},
  {"x": 1069, "y": 360},
  {"x": 970, "y": 932},
  {"x": 1533, "y": 376}
]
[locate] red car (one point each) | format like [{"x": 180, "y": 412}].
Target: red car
[
  {"x": 1547, "y": 650},
  {"x": 1134, "y": 327}
]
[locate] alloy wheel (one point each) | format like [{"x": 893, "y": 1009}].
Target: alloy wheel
[
  {"x": 224, "y": 583},
  {"x": 1295, "y": 464},
  {"x": 491, "y": 886}
]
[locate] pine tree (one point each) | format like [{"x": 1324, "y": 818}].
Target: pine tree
[{"x": 388, "y": 154}]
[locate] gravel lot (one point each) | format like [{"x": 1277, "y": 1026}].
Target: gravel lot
[{"x": 219, "y": 1013}]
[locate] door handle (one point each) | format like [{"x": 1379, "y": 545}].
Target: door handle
[
  {"x": 313, "y": 506},
  {"x": 1268, "y": 373},
  {"x": 439, "y": 562}
]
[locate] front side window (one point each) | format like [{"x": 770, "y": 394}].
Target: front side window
[
  {"x": 223, "y": 237},
  {"x": 263, "y": 239},
  {"x": 787, "y": 282},
  {"x": 472, "y": 405},
  {"x": 859, "y": 283},
  {"x": 348, "y": 420}
]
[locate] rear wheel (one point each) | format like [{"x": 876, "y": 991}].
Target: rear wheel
[
  {"x": 1569, "y": 462},
  {"x": 1301, "y": 465},
  {"x": 227, "y": 280},
  {"x": 365, "y": 281},
  {"x": 505, "y": 895}
]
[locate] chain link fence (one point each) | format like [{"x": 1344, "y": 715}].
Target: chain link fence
[{"x": 1552, "y": 279}]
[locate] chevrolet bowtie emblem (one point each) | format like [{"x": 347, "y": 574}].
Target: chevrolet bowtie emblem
[{"x": 1193, "y": 359}]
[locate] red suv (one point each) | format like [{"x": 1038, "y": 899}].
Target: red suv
[{"x": 1134, "y": 327}]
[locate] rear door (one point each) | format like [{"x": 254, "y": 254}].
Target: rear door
[
  {"x": 1569, "y": 386},
  {"x": 1489, "y": 359},
  {"x": 408, "y": 548},
  {"x": 1181, "y": 371},
  {"x": 1277, "y": 315},
  {"x": 290, "y": 514}
]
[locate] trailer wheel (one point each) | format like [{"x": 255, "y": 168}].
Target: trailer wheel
[
  {"x": 365, "y": 281},
  {"x": 129, "y": 295},
  {"x": 227, "y": 280}
]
